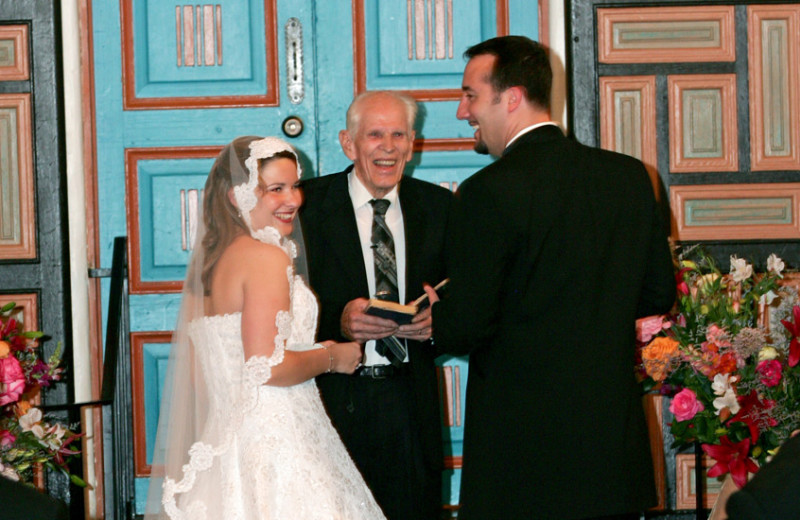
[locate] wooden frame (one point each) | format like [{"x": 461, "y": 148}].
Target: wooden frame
[
  {"x": 20, "y": 71},
  {"x": 762, "y": 92},
  {"x": 360, "y": 55},
  {"x": 612, "y": 124},
  {"x": 138, "y": 339},
  {"x": 131, "y": 102},
  {"x": 680, "y": 195},
  {"x": 726, "y": 85},
  {"x": 653, "y": 412},
  {"x": 132, "y": 157},
  {"x": 25, "y": 246},
  {"x": 685, "y": 491},
  {"x": 27, "y": 304},
  {"x": 648, "y": 18}
]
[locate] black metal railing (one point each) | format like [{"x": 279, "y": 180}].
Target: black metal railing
[{"x": 119, "y": 468}]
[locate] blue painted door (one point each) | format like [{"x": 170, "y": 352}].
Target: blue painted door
[{"x": 194, "y": 76}]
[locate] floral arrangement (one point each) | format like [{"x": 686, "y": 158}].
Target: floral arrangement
[
  {"x": 728, "y": 357},
  {"x": 26, "y": 439}
]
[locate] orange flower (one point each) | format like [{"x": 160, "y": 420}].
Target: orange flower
[
  {"x": 658, "y": 355},
  {"x": 5, "y": 349}
]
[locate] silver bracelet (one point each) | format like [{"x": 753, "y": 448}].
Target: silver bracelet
[{"x": 330, "y": 355}]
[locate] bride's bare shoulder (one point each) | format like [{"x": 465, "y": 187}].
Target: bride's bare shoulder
[{"x": 246, "y": 250}]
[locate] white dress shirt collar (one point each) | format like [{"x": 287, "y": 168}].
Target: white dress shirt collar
[{"x": 528, "y": 129}]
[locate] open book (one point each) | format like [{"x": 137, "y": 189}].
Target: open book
[{"x": 398, "y": 312}]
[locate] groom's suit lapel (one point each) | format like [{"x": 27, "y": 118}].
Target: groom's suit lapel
[{"x": 339, "y": 222}]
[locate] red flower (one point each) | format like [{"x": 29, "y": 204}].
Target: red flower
[
  {"x": 731, "y": 458},
  {"x": 682, "y": 286},
  {"x": 770, "y": 372},
  {"x": 794, "y": 330}
]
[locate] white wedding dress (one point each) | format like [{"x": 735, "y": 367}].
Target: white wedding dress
[{"x": 266, "y": 452}]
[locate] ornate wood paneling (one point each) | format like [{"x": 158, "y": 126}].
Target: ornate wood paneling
[
  {"x": 425, "y": 50},
  {"x": 225, "y": 53},
  {"x": 17, "y": 214},
  {"x": 149, "y": 357},
  {"x": 14, "y": 60},
  {"x": 162, "y": 199},
  {"x": 628, "y": 119},
  {"x": 653, "y": 410},
  {"x": 774, "y": 33},
  {"x": 702, "y": 126},
  {"x": 666, "y": 34},
  {"x": 731, "y": 211},
  {"x": 26, "y": 310},
  {"x": 685, "y": 485}
]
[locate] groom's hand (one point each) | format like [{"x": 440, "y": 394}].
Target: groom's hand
[{"x": 361, "y": 327}]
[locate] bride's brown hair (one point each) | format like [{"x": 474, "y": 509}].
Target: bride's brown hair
[{"x": 222, "y": 219}]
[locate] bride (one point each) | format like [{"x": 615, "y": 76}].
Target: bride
[{"x": 243, "y": 433}]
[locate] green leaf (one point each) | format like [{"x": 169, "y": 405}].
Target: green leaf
[{"x": 7, "y": 307}]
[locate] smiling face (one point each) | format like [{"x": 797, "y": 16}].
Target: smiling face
[
  {"x": 380, "y": 145},
  {"x": 279, "y": 196},
  {"x": 482, "y": 107}
]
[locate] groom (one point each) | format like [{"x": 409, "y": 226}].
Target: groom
[
  {"x": 558, "y": 249},
  {"x": 387, "y": 413}
]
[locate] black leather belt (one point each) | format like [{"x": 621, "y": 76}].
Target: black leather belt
[{"x": 383, "y": 371}]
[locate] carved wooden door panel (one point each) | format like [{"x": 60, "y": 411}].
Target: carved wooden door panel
[{"x": 194, "y": 76}]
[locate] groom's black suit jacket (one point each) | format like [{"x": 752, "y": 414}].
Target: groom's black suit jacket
[
  {"x": 337, "y": 276},
  {"x": 557, "y": 249}
]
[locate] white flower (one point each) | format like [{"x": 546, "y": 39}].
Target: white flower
[
  {"x": 30, "y": 420},
  {"x": 728, "y": 400},
  {"x": 54, "y": 436},
  {"x": 768, "y": 297},
  {"x": 740, "y": 269},
  {"x": 767, "y": 353},
  {"x": 8, "y": 472},
  {"x": 721, "y": 384},
  {"x": 775, "y": 264}
]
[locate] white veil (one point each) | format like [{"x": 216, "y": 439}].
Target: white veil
[{"x": 185, "y": 393}]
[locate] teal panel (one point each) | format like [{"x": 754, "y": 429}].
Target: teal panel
[
  {"x": 387, "y": 44},
  {"x": 524, "y": 18},
  {"x": 162, "y": 256},
  {"x": 154, "y": 371},
  {"x": 154, "y": 311},
  {"x": 738, "y": 212},
  {"x": 446, "y": 168},
  {"x": 242, "y": 70}
]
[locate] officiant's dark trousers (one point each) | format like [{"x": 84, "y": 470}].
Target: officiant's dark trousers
[{"x": 379, "y": 427}]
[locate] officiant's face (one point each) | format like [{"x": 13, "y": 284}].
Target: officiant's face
[{"x": 381, "y": 143}]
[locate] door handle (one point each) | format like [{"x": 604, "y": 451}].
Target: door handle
[{"x": 294, "y": 60}]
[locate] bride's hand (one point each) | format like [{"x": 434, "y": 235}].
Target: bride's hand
[{"x": 347, "y": 357}]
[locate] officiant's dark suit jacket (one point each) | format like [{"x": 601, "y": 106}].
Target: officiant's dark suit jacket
[
  {"x": 337, "y": 276},
  {"x": 557, "y": 249}
]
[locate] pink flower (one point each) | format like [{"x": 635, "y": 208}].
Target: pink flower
[
  {"x": 648, "y": 327},
  {"x": 12, "y": 380},
  {"x": 770, "y": 372},
  {"x": 685, "y": 405},
  {"x": 7, "y": 438}
]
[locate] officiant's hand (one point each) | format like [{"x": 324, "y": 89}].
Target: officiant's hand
[
  {"x": 361, "y": 327},
  {"x": 421, "y": 326}
]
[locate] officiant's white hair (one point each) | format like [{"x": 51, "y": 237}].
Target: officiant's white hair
[{"x": 354, "y": 112}]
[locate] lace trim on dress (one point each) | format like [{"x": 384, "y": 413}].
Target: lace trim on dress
[{"x": 201, "y": 457}]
